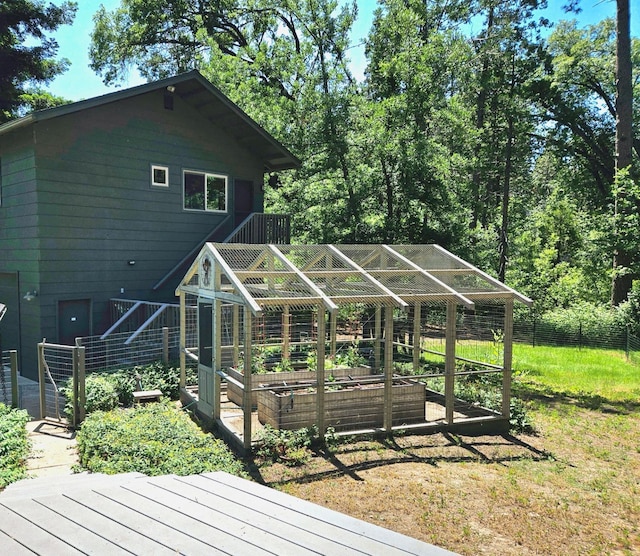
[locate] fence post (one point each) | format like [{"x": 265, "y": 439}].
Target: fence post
[
  {"x": 13, "y": 355},
  {"x": 165, "y": 345},
  {"x": 580, "y": 335},
  {"x": 533, "y": 339},
  {"x": 79, "y": 372},
  {"x": 41, "y": 380},
  {"x": 626, "y": 348}
]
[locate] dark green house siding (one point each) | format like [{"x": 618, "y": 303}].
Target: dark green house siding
[
  {"x": 78, "y": 205},
  {"x": 19, "y": 245}
]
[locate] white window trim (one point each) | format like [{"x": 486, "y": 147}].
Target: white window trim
[
  {"x": 206, "y": 175},
  {"x": 155, "y": 167}
]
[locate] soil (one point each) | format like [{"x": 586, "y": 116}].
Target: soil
[{"x": 572, "y": 488}]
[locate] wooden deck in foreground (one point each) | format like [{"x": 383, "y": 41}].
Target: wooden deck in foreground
[{"x": 212, "y": 513}]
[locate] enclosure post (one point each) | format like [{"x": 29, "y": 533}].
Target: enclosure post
[
  {"x": 320, "y": 372},
  {"x": 286, "y": 332},
  {"x": 450, "y": 361},
  {"x": 41, "y": 380},
  {"x": 216, "y": 361},
  {"x": 333, "y": 332},
  {"x": 183, "y": 340},
  {"x": 236, "y": 335},
  {"x": 388, "y": 368},
  {"x": 377, "y": 342},
  {"x": 246, "y": 393},
  {"x": 507, "y": 358},
  {"x": 13, "y": 354},
  {"x": 417, "y": 338},
  {"x": 165, "y": 345},
  {"x": 79, "y": 375}
]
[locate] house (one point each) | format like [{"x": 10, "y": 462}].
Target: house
[{"x": 112, "y": 197}]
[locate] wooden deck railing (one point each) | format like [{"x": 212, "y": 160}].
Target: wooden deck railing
[{"x": 262, "y": 228}]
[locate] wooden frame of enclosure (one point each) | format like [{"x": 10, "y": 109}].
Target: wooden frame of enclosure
[{"x": 258, "y": 278}]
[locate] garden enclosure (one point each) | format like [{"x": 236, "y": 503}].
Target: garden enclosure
[{"x": 353, "y": 337}]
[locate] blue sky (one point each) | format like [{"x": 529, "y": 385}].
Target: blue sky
[{"x": 80, "y": 82}]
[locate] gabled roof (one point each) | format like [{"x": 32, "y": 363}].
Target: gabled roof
[
  {"x": 204, "y": 97},
  {"x": 260, "y": 276}
]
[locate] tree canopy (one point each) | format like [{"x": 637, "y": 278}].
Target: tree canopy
[
  {"x": 28, "y": 55},
  {"x": 478, "y": 125}
]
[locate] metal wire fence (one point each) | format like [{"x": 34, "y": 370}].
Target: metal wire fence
[
  {"x": 116, "y": 351},
  {"x": 581, "y": 334}
]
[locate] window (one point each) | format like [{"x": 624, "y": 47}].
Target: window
[
  {"x": 159, "y": 175},
  {"x": 204, "y": 191}
]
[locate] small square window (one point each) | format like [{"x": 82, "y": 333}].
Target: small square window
[{"x": 160, "y": 176}]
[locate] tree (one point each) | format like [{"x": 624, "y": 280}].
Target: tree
[
  {"x": 23, "y": 21},
  {"x": 623, "y": 255},
  {"x": 282, "y": 61},
  {"x": 419, "y": 133}
]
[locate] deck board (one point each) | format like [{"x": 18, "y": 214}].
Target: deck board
[
  {"x": 119, "y": 534},
  {"x": 208, "y": 514},
  {"x": 363, "y": 530},
  {"x": 38, "y": 538},
  {"x": 252, "y": 514},
  {"x": 215, "y": 541},
  {"x": 307, "y": 528},
  {"x": 12, "y": 547},
  {"x": 167, "y": 536},
  {"x": 252, "y": 538}
]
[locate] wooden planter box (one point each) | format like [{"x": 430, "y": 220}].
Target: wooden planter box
[
  {"x": 234, "y": 392},
  {"x": 351, "y": 408}
]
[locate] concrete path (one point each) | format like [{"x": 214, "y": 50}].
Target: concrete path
[{"x": 53, "y": 449}]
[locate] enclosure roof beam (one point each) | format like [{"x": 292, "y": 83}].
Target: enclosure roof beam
[
  {"x": 330, "y": 305},
  {"x": 398, "y": 300},
  {"x": 239, "y": 286},
  {"x": 464, "y": 300},
  {"x": 522, "y": 298}
]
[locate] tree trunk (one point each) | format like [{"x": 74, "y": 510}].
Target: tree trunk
[{"x": 622, "y": 258}]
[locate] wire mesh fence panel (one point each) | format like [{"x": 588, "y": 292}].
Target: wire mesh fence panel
[
  {"x": 57, "y": 374},
  {"x": 633, "y": 349},
  {"x": 118, "y": 350},
  {"x": 6, "y": 390},
  {"x": 570, "y": 334}
]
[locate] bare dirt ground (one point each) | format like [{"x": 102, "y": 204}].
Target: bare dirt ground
[{"x": 571, "y": 488}]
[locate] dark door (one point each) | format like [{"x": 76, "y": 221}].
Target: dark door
[
  {"x": 10, "y": 325},
  {"x": 205, "y": 358},
  {"x": 74, "y": 320},
  {"x": 243, "y": 200}
]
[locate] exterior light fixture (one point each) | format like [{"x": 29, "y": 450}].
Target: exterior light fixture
[
  {"x": 171, "y": 89},
  {"x": 131, "y": 262},
  {"x": 30, "y": 296}
]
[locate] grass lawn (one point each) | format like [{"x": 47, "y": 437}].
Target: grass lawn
[
  {"x": 571, "y": 488},
  {"x": 599, "y": 373}
]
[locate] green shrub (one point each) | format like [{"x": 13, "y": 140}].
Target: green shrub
[
  {"x": 106, "y": 390},
  {"x": 154, "y": 439},
  {"x": 14, "y": 445},
  {"x": 585, "y": 324},
  {"x": 291, "y": 447}
]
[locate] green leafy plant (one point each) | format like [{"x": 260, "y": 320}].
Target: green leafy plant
[
  {"x": 291, "y": 447},
  {"x": 350, "y": 357},
  {"x": 14, "y": 445},
  {"x": 107, "y": 390},
  {"x": 284, "y": 366},
  {"x": 154, "y": 439}
]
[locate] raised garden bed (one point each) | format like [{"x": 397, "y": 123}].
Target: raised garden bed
[
  {"x": 348, "y": 407},
  {"x": 234, "y": 392}
]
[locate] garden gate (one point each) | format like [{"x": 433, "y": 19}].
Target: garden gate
[{"x": 59, "y": 367}]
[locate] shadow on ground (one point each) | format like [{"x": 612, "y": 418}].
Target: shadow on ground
[{"x": 350, "y": 459}]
